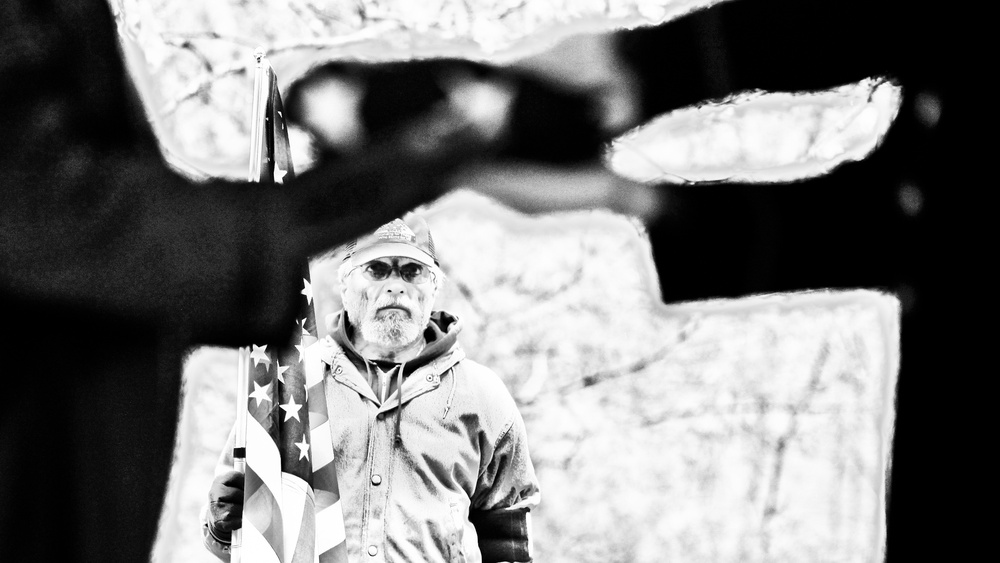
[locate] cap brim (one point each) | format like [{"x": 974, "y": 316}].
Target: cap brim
[{"x": 386, "y": 249}]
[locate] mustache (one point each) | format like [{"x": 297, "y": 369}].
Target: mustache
[{"x": 390, "y": 302}]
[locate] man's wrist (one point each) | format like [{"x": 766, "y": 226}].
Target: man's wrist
[
  {"x": 503, "y": 534},
  {"x": 224, "y": 538}
]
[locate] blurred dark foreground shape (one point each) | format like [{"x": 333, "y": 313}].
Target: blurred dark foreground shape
[
  {"x": 112, "y": 266},
  {"x": 885, "y": 222}
]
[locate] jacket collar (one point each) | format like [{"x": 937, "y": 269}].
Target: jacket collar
[
  {"x": 346, "y": 365},
  {"x": 441, "y": 335}
]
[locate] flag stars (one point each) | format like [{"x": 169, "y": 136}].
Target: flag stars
[
  {"x": 303, "y": 448},
  {"x": 302, "y": 351},
  {"x": 291, "y": 410},
  {"x": 307, "y": 290},
  {"x": 261, "y": 394},
  {"x": 279, "y": 175},
  {"x": 281, "y": 371},
  {"x": 259, "y": 355},
  {"x": 302, "y": 325}
]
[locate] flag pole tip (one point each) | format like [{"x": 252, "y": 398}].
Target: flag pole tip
[{"x": 259, "y": 53}]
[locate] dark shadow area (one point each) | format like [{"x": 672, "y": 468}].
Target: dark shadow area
[
  {"x": 545, "y": 123},
  {"x": 880, "y": 223}
]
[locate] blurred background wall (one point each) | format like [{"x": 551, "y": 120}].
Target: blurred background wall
[
  {"x": 752, "y": 429},
  {"x": 882, "y": 223}
]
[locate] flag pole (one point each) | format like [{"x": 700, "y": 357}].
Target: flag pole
[
  {"x": 240, "y": 440},
  {"x": 257, "y": 116},
  {"x": 243, "y": 361}
]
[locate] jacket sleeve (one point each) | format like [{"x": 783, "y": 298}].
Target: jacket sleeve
[
  {"x": 214, "y": 546},
  {"x": 506, "y": 492}
]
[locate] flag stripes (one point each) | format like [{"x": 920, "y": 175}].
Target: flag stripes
[
  {"x": 332, "y": 524},
  {"x": 322, "y": 450},
  {"x": 256, "y": 548},
  {"x": 331, "y": 544},
  {"x": 297, "y": 500}
]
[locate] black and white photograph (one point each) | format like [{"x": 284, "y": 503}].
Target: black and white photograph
[{"x": 485, "y": 281}]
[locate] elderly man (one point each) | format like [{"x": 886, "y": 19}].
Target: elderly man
[{"x": 430, "y": 449}]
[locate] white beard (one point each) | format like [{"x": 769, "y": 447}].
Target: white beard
[{"x": 392, "y": 329}]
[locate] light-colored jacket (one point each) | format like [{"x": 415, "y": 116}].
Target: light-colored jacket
[{"x": 459, "y": 478}]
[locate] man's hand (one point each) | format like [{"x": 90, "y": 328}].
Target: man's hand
[{"x": 225, "y": 505}]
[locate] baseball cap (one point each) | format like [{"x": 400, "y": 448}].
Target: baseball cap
[{"x": 409, "y": 237}]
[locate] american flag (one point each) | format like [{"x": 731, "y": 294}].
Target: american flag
[{"x": 292, "y": 510}]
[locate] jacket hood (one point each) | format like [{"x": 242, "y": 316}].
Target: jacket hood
[{"x": 441, "y": 335}]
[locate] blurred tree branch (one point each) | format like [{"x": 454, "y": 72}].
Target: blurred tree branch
[
  {"x": 215, "y": 73},
  {"x": 202, "y": 87},
  {"x": 595, "y": 378},
  {"x": 781, "y": 445}
]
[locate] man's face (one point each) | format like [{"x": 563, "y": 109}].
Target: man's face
[{"x": 389, "y": 300}]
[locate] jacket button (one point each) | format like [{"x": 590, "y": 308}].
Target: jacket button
[
  {"x": 376, "y": 479},
  {"x": 372, "y": 550}
]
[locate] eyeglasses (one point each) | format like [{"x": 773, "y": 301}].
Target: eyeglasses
[{"x": 411, "y": 272}]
